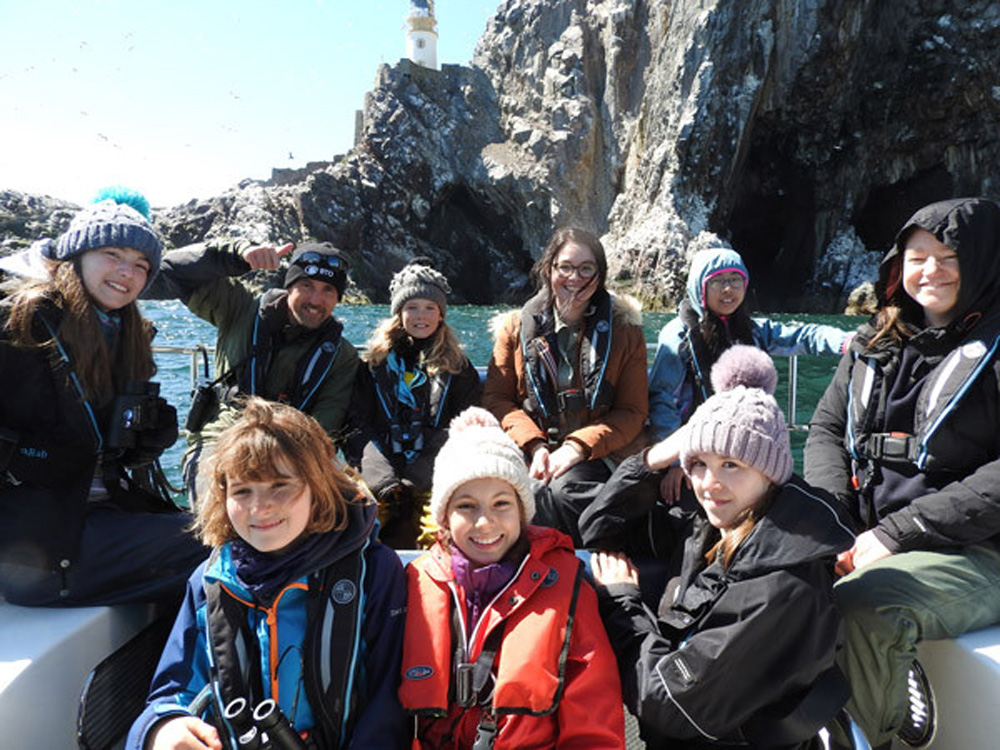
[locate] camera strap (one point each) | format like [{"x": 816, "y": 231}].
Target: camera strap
[{"x": 61, "y": 362}]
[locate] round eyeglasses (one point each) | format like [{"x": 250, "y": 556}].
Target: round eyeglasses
[
  {"x": 584, "y": 270},
  {"x": 732, "y": 281}
]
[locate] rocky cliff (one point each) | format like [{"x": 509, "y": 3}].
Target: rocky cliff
[{"x": 802, "y": 132}]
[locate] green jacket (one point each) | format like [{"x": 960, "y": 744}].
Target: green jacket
[{"x": 202, "y": 276}]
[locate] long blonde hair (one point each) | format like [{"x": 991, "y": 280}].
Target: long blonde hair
[
  {"x": 101, "y": 371},
  {"x": 443, "y": 355}
]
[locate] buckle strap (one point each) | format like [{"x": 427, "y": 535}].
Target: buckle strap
[
  {"x": 890, "y": 447},
  {"x": 572, "y": 399}
]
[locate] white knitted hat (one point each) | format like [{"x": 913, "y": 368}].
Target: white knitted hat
[{"x": 477, "y": 447}]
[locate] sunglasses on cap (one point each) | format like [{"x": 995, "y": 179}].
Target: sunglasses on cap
[{"x": 310, "y": 258}]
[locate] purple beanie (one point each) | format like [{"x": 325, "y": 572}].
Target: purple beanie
[{"x": 742, "y": 420}]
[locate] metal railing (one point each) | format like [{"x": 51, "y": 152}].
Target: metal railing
[{"x": 200, "y": 352}]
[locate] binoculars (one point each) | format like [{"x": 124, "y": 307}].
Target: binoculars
[
  {"x": 137, "y": 408},
  {"x": 264, "y": 728}
]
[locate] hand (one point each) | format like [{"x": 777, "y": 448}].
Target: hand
[
  {"x": 266, "y": 258},
  {"x": 539, "y": 468},
  {"x": 563, "y": 458},
  {"x": 845, "y": 562},
  {"x": 868, "y": 549},
  {"x": 671, "y": 484},
  {"x": 664, "y": 453},
  {"x": 184, "y": 733},
  {"x": 613, "y": 567}
]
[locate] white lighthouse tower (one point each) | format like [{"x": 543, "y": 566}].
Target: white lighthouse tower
[{"x": 421, "y": 34}]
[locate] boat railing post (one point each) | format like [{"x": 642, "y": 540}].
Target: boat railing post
[{"x": 793, "y": 389}]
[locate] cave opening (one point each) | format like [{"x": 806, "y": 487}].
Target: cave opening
[
  {"x": 772, "y": 225},
  {"x": 476, "y": 234},
  {"x": 877, "y": 219}
]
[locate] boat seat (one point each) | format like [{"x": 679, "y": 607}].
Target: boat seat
[
  {"x": 46, "y": 656},
  {"x": 964, "y": 675}
]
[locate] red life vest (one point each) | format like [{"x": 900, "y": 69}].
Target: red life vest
[{"x": 536, "y": 610}]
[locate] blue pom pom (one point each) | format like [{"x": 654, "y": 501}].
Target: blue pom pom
[{"x": 126, "y": 196}]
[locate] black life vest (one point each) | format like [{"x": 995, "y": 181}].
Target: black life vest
[
  {"x": 331, "y": 649},
  {"x": 266, "y": 338},
  {"x": 940, "y": 395},
  {"x": 540, "y": 349},
  {"x": 406, "y": 426}
]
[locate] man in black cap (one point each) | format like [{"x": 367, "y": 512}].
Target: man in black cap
[{"x": 283, "y": 344}]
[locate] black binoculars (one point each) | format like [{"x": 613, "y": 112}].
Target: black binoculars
[
  {"x": 264, "y": 728},
  {"x": 410, "y": 438},
  {"x": 136, "y": 409}
]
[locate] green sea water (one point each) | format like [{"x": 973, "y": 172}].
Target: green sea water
[{"x": 179, "y": 328}]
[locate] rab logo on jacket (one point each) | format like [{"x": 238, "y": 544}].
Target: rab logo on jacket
[{"x": 419, "y": 673}]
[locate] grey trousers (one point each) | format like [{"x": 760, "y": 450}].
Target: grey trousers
[{"x": 891, "y": 605}]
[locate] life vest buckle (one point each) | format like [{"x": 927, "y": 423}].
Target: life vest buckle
[
  {"x": 572, "y": 399},
  {"x": 893, "y": 447}
]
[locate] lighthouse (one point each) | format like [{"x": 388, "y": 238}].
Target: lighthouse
[{"x": 421, "y": 34}]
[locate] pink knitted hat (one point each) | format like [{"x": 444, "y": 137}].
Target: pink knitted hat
[{"x": 742, "y": 420}]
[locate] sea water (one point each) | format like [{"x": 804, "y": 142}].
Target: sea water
[{"x": 177, "y": 327}]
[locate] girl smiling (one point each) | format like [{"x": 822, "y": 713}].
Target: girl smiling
[{"x": 504, "y": 646}]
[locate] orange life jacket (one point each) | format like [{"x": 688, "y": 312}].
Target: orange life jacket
[{"x": 536, "y": 610}]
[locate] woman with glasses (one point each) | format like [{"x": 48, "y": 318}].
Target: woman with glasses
[
  {"x": 567, "y": 379},
  {"x": 710, "y": 319}
]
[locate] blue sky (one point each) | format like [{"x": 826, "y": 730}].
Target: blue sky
[{"x": 184, "y": 98}]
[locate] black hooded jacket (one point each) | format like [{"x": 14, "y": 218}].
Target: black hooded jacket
[
  {"x": 742, "y": 657},
  {"x": 952, "y": 497}
]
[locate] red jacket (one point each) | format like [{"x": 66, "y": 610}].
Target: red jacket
[{"x": 557, "y": 683}]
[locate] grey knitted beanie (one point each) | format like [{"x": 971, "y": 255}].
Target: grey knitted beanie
[
  {"x": 418, "y": 279},
  {"x": 477, "y": 447},
  {"x": 108, "y": 223},
  {"x": 742, "y": 420}
]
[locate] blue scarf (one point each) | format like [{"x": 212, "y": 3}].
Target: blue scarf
[
  {"x": 396, "y": 365},
  {"x": 111, "y": 325},
  {"x": 264, "y": 574}
]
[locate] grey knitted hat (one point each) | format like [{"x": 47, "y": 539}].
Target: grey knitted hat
[
  {"x": 110, "y": 224},
  {"x": 477, "y": 447},
  {"x": 742, "y": 420},
  {"x": 418, "y": 279}
]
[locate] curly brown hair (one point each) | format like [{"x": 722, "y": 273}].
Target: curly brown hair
[{"x": 268, "y": 437}]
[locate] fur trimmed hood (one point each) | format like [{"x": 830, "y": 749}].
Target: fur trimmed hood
[{"x": 625, "y": 308}]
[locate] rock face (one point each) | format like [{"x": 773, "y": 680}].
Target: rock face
[
  {"x": 25, "y": 218},
  {"x": 801, "y": 132}
]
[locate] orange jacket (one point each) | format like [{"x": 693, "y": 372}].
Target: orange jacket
[
  {"x": 617, "y": 431},
  {"x": 557, "y": 683}
]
